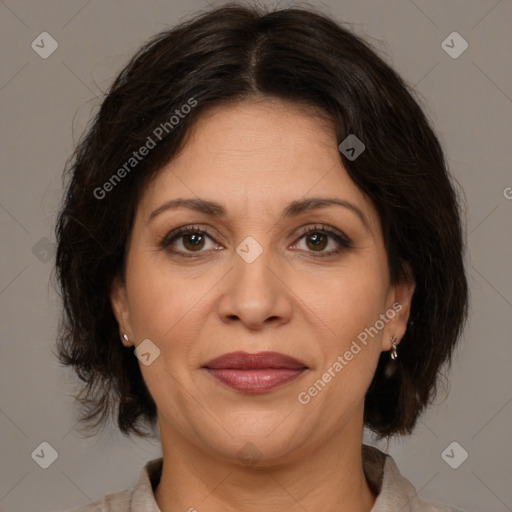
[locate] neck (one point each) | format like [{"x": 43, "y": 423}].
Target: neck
[{"x": 327, "y": 477}]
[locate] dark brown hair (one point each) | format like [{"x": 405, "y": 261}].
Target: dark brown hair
[{"x": 228, "y": 55}]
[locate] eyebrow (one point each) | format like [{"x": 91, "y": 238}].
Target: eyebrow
[{"x": 295, "y": 208}]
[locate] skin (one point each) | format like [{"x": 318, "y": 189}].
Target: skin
[{"x": 255, "y": 158}]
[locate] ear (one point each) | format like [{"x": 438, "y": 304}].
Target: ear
[
  {"x": 119, "y": 303},
  {"x": 399, "y": 308}
]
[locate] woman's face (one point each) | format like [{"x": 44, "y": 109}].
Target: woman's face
[{"x": 255, "y": 282}]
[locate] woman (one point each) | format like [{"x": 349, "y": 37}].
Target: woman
[{"x": 260, "y": 252}]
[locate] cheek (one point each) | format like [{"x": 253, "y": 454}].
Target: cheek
[
  {"x": 351, "y": 300},
  {"x": 162, "y": 304},
  {"x": 160, "y": 298},
  {"x": 349, "y": 305},
  {"x": 167, "y": 306}
]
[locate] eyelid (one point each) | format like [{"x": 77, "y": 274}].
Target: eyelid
[
  {"x": 192, "y": 228},
  {"x": 324, "y": 228},
  {"x": 339, "y": 237}
]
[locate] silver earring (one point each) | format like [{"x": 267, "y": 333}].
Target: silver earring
[
  {"x": 394, "y": 353},
  {"x": 125, "y": 337}
]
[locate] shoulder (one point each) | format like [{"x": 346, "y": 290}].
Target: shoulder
[
  {"x": 427, "y": 506},
  {"x": 114, "y": 502},
  {"x": 394, "y": 491},
  {"x": 140, "y": 497}
]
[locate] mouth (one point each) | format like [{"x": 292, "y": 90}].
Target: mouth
[{"x": 255, "y": 373}]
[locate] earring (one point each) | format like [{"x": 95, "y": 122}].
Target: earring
[
  {"x": 125, "y": 337},
  {"x": 394, "y": 343}
]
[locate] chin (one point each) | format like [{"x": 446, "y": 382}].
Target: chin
[{"x": 260, "y": 438}]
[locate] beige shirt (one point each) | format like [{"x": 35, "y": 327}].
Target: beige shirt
[{"x": 394, "y": 492}]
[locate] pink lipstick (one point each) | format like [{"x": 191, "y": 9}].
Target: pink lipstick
[{"x": 255, "y": 373}]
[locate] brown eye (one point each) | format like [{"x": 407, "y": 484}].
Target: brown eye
[
  {"x": 318, "y": 241},
  {"x": 186, "y": 241},
  {"x": 193, "y": 241},
  {"x": 318, "y": 238}
]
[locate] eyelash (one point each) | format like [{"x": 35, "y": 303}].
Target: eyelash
[{"x": 339, "y": 237}]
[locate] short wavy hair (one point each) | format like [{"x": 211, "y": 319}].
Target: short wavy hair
[{"x": 224, "y": 56}]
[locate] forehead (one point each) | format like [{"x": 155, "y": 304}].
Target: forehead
[
  {"x": 263, "y": 135},
  {"x": 258, "y": 156}
]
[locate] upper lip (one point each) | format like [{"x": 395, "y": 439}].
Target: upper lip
[{"x": 246, "y": 361}]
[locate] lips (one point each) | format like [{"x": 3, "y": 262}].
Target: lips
[
  {"x": 246, "y": 361},
  {"x": 255, "y": 373}
]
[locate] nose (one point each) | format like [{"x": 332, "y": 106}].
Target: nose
[{"x": 255, "y": 293}]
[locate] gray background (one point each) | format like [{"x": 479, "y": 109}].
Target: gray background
[{"x": 45, "y": 106}]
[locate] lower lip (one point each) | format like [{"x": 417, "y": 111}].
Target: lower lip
[{"x": 255, "y": 381}]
